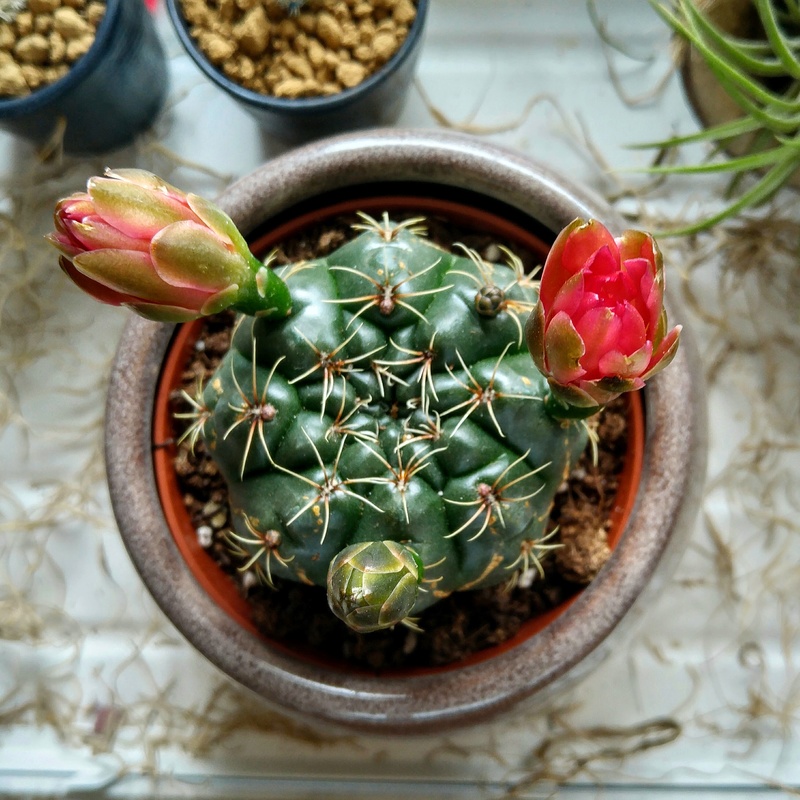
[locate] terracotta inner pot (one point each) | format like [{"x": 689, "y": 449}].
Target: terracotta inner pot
[{"x": 220, "y": 586}]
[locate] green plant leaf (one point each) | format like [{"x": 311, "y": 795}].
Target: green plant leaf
[
  {"x": 777, "y": 123},
  {"x": 747, "y": 163},
  {"x": 727, "y": 73},
  {"x": 738, "y": 50},
  {"x": 792, "y": 11},
  {"x": 717, "y": 133},
  {"x": 778, "y": 40},
  {"x": 759, "y": 193}
]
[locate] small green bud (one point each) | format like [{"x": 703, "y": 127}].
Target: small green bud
[{"x": 374, "y": 585}]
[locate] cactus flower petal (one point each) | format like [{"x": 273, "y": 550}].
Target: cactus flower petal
[
  {"x": 135, "y": 210},
  {"x": 92, "y": 287},
  {"x": 219, "y": 222},
  {"x": 134, "y": 240},
  {"x": 564, "y": 349},
  {"x": 599, "y": 328},
  {"x": 189, "y": 255},
  {"x": 162, "y": 313},
  {"x": 665, "y": 353},
  {"x": 131, "y": 272},
  {"x": 94, "y": 233}
]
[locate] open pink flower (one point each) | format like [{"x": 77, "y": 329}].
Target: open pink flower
[
  {"x": 132, "y": 239},
  {"x": 600, "y": 328}
]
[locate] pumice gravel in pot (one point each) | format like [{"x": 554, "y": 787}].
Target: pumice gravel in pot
[
  {"x": 392, "y": 420},
  {"x": 89, "y": 79},
  {"x": 306, "y": 70}
]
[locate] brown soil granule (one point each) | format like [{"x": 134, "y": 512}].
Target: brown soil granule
[
  {"x": 458, "y": 625},
  {"x": 40, "y": 43},
  {"x": 324, "y": 48}
]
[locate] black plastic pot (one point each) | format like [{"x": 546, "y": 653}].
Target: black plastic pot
[
  {"x": 110, "y": 94},
  {"x": 376, "y": 102}
]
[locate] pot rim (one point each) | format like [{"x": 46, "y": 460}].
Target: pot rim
[
  {"x": 669, "y": 491},
  {"x": 301, "y": 106},
  {"x": 19, "y": 106}
]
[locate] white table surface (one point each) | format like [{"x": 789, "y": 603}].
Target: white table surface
[{"x": 702, "y": 700}]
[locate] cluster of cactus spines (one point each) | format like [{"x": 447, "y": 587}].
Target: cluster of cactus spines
[{"x": 388, "y": 440}]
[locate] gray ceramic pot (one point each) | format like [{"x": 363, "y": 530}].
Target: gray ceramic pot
[{"x": 545, "y": 663}]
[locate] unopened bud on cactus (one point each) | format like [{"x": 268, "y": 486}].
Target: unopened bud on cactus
[
  {"x": 599, "y": 328},
  {"x": 134, "y": 240},
  {"x": 390, "y": 438},
  {"x": 374, "y": 585}
]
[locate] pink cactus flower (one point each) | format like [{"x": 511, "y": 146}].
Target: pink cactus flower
[
  {"x": 134, "y": 240},
  {"x": 600, "y": 328}
]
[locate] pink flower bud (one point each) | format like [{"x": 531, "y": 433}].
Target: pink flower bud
[
  {"x": 600, "y": 328},
  {"x": 134, "y": 240}
]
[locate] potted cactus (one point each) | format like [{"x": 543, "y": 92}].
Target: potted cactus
[{"x": 392, "y": 421}]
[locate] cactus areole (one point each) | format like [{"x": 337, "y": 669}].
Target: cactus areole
[{"x": 389, "y": 439}]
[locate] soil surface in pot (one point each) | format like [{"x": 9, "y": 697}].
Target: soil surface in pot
[
  {"x": 290, "y": 51},
  {"x": 40, "y": 42},
  {"x": 461, "y": 624}
]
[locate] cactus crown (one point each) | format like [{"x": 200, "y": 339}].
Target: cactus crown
[{"x": 389, "y": 438}]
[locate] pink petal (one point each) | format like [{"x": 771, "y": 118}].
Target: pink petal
[
  {"x": 633, "y": 333},
  {"x": 638, "y": 244},
  {"x": 571, "y": 250},
  {"x": 572, "y": 298},
  {"x": 64, "y": 243},
  {"x": 94, "y": 233},
  {"x": 131, "y": 272},
  {"x": 665, "y": 353},
  {"x": 93, "y": 288},
  {"x": 603, "y": 263},
  {"x": 599, "y": 329},
  {"x": 645, "y": 296},
  {"x": 136, "y": 210},
  {"x": 585, "y": 242},
  {"x": 620, "y": 365}
]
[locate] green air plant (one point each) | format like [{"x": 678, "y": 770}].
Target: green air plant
[
  {"x": 392, "y": 420},
  {"x": 761, "y": 75}
]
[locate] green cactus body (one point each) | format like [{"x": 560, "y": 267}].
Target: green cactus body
[{"x": 396, "y": 404}]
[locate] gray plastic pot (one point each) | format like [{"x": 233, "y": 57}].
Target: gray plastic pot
[
  {"x": 377, "y": 101},
  {"x": 109, "y": 96},
  {"x": 568, "y": 647}
]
